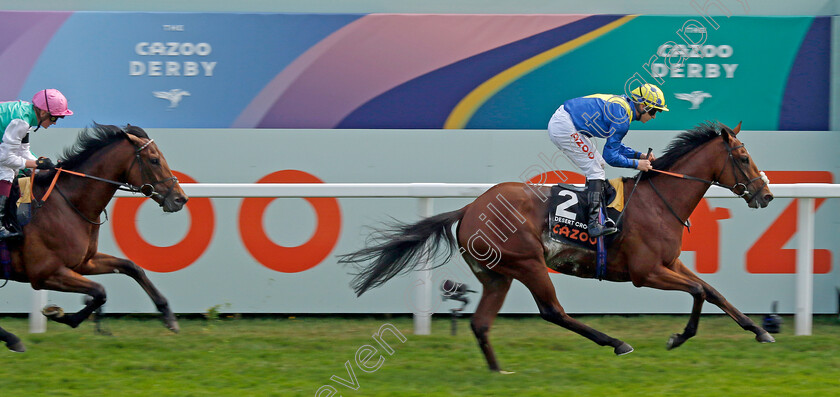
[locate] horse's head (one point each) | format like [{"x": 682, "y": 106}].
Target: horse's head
[
  {"x": 150, "y": 171},
  {"x": 740, "y": 173}
]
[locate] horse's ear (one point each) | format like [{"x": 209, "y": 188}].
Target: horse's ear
[
  {"x": 133, "y": 139},
  {"x": 737, "y": 128},
  {"x": 724, "y": 131}
]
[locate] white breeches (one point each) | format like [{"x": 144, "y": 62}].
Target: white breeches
[{"x": 577, "y": 146}]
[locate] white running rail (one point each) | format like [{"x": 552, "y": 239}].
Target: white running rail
[{"x": 426, "y": 192}]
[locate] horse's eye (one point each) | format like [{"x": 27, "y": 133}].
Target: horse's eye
[
  {"x": 154, "y": 160},
  {"x": 745, "y": 160}
]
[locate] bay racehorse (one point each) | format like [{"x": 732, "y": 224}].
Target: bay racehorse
[
  {"x": 646, "y": 252},
  {"x": 59, "y": 247}
]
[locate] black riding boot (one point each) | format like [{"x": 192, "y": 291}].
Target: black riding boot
[
  {"x": 595, "y": 193},
  {"x": 5, "y": 233}
]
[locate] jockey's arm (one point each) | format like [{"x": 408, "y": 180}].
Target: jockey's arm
[
  {"x": 27, "y": 154},
  {"x": 628, "y": 152},
  {"x": 616, "y": 154},
  {"x": 10, "y": 149}
]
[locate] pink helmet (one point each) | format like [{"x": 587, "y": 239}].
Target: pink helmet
[{"x": 53, "y": 101}]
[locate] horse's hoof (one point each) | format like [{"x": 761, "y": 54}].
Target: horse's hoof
[
  {"x": 172, "y": 324},
  {"x": 501, "y": 372},
  {"x": 16, "y": 347},
  {"x": 52, "y": 312},
  {"x": 765, "y": 338},
  {"x": 674, "y": 341},
  {"x": 623, "y": 349},
  {"x": 14, "y": 344},
  {"x": 104, "y": 332}
]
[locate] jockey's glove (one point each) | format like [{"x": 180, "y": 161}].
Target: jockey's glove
[{"x": 44, "y": 163}]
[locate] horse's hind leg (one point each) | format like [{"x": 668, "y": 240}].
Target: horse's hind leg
[
  {"x": 495, "y": 288},
  {"x": 714, "y": 297},
  {"x": 535, "y": 276},
  {"x": 107, "y": 264},
  {"x": 12, "y": 341}
]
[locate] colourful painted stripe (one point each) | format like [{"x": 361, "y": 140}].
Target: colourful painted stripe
[
  {"x": 427, "y": 100},
  {"x": 383, "y": 51},
  {"x": 25, "y": 36},
  {"x": 805, "y": 100},
  {"x": 466, "y": 108}
]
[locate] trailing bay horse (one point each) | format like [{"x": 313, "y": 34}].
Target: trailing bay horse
[
  {"x": 646, "y": 252},
  {"x": 59, "y": 247}
]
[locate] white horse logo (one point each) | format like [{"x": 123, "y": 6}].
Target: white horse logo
[
  {"x": 173, "y": 96},
  {"x": 696, "y": 98}
]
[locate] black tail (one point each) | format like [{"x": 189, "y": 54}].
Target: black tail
[{"x": 397, "y": 249}]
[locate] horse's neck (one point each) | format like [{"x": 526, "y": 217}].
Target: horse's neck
[
  {"x": 683, "y": 195},
  {"x": 89, "y": 195}
]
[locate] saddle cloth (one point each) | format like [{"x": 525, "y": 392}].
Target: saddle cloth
[{"x": 567, "y": 212}]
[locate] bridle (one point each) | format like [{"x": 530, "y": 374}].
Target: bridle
[
  {"x": 740, "y": 189},
  {"x": 147, "y": 188}
]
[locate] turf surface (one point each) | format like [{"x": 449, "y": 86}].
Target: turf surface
[{"x": 284, "y": 356}]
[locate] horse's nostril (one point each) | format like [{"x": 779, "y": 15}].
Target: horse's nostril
[
  {"x": 768, "y": 198},
  {"x": 181, "y": 200}
]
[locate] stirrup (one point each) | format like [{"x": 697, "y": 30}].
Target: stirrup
[
  {"x": 598, "y": 230},
  {"x": 609, "y": 223},
  {"x": 7, "y": 234}
]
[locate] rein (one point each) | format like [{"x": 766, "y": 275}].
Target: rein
[
  {"x": 147, "y": 189},
  {"x": 744, "y": 189},
  {"x": 80, "y": 212},
  {"x": 120, "y": 185},
  {"x": 685, "y": 223}
]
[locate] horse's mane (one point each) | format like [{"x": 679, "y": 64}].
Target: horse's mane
[
  {"x": 89, "y": 141},
  {"x": 685, "y": 143}
]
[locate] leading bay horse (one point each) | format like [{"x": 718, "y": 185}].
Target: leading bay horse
[
  {"x": 59, "y": 246},
  {"x": 646, "y": 252}
]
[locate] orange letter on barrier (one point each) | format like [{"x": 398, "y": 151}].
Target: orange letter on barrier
[
  {"x": 290, "y": 259},
  {"x": 767, "y": 255},
  {"x": 163, "y": 259},
  {"x": 704, "y": 238}
]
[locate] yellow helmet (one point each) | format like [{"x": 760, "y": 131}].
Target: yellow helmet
[{"x": 650, "y": 96}]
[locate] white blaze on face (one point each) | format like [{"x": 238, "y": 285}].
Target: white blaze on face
[{"x": 764, "y": 177}]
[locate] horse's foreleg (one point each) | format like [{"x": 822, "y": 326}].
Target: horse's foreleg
[
  {"x": 667, "y": 279},
  {"x": 537, "y": 280},
  {"x": 714, "y": 297},
  {"x": 107, "y": 264},
  {"x": 12, "y": 341},
  {"x": 66, "y": 280},
  {"x": 495, "y": 288}
]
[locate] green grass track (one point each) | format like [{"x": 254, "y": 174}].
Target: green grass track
[{"x": 283, "y": 356}]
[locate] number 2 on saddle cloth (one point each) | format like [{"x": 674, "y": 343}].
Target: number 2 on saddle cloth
[{"x": 567, "y": 218}]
